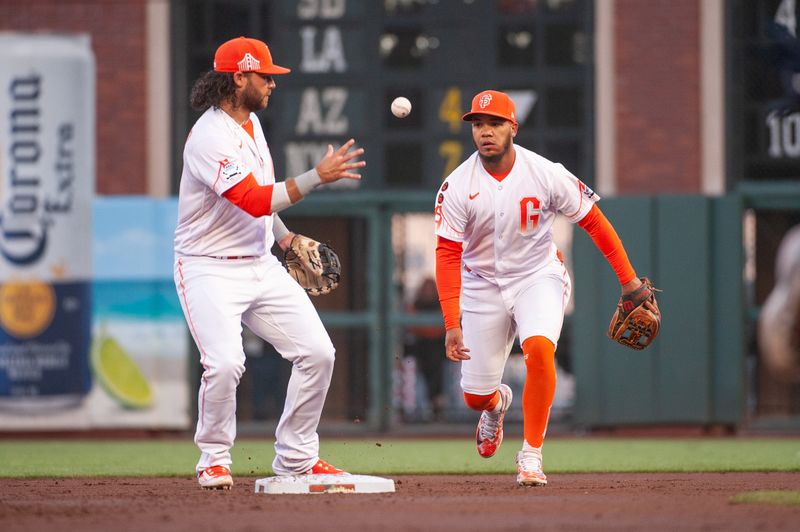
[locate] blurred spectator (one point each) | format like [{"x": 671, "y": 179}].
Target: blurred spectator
[
  {"x": 783, "y": 51},
  {"x": 779, "y": 322},
  {"x": 426, "y": 345}
]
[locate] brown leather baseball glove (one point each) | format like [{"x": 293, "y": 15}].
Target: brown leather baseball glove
[
  {"x": 313, "y": 265},
  {"x": 635, "y": 325}
]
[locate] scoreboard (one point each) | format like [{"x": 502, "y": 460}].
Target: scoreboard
[
  {"x": 351, "y": 58},
  {"x": 763, "y": 90}
]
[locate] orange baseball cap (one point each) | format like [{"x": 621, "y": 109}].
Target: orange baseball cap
[
  {"x": 246, "y": 55},
  {"x": 493, "y": 103}
]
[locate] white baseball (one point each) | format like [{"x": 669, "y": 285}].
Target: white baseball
[{"x": 401, "y": 107}]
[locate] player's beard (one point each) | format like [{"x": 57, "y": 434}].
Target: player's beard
[
  {"x": 253, "y": 100},
  {"x": 492, "y": 159}
]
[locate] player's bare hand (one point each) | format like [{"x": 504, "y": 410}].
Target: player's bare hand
[
  {"x": 339, "y": 164},
  {"x": 454, "y": 348}
]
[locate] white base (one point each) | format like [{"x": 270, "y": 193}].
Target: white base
[{"x": 325, "y": 484}]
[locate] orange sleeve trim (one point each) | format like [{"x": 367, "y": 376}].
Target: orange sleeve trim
[
  {"x": 251, "y": 197},
  {"x": 448, "y": 280},
  {"x": 607, "y": 241}
]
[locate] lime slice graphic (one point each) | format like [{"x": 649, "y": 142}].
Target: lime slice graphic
[{"x": 116, "y": 371}]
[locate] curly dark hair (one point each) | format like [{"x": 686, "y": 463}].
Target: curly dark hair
[{"x": 212, "y": 88}]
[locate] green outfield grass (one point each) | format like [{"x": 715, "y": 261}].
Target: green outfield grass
[{"x": 375, "y": 455}]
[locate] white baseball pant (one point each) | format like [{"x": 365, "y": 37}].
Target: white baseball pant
[
  {"x": 219, "y": 295},
  {"x": 491, "y": 317}
]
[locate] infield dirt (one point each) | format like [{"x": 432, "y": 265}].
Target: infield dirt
[{"x": 672, "y": 501}]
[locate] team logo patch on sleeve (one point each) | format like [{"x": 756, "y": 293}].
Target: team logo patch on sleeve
[
  {"x": 438, "y": 216},
  {"x": 230, "y": 170},
  {"x": 588, "y": 192}
]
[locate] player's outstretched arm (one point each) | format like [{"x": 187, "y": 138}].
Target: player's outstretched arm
[
  {"x": 336, "y": 165},
  {"x": 608, "y": 242},
  {"x": 637, "y": 319}
]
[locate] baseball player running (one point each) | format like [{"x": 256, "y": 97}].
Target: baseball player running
[
  {"x": 226, "y": 275},
  {"x": 499, "y": 273}
]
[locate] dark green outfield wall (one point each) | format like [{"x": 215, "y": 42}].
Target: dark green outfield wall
[{"x": 691, "y": 246}]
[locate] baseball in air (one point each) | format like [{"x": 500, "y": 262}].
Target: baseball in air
[{"x": 401, "y": 107}]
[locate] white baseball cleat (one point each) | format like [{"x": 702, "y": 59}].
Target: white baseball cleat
[
  {"x": 489, "y": 434},
  {"x": 529, "y": 468},
  {"x": 215, "y": 478}
]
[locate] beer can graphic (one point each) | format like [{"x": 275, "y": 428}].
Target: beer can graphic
[{"x": 47, "y": 176}]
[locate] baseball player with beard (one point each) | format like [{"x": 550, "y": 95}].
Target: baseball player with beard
[
  {"x": 499, "y": 274},
  {"x": 226, "y": 275}
]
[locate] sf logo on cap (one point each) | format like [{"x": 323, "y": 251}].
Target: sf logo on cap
[
  {"x": 485, "y": 100},
  {"x": 248, "y": 63}
]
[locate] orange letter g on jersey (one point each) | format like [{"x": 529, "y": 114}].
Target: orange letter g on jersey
[{"x": 529, "y": 210}]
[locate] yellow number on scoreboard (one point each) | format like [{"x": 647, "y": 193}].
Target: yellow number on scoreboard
[
  {"x": 450, "y": 109},
  {"x": 451, "y": 151}
]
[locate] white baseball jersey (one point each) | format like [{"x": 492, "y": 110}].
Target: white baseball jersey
[
  {"x": 225, "y": 276},
  {"x": 513, "y": 283},
  {"x": 218, "y": 154},
  {"x": 506, "y": 225}
]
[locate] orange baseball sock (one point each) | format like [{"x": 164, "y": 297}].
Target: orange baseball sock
[
  {"x": 482, "y": 402},
  {"x": 540, "y": 387}
]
